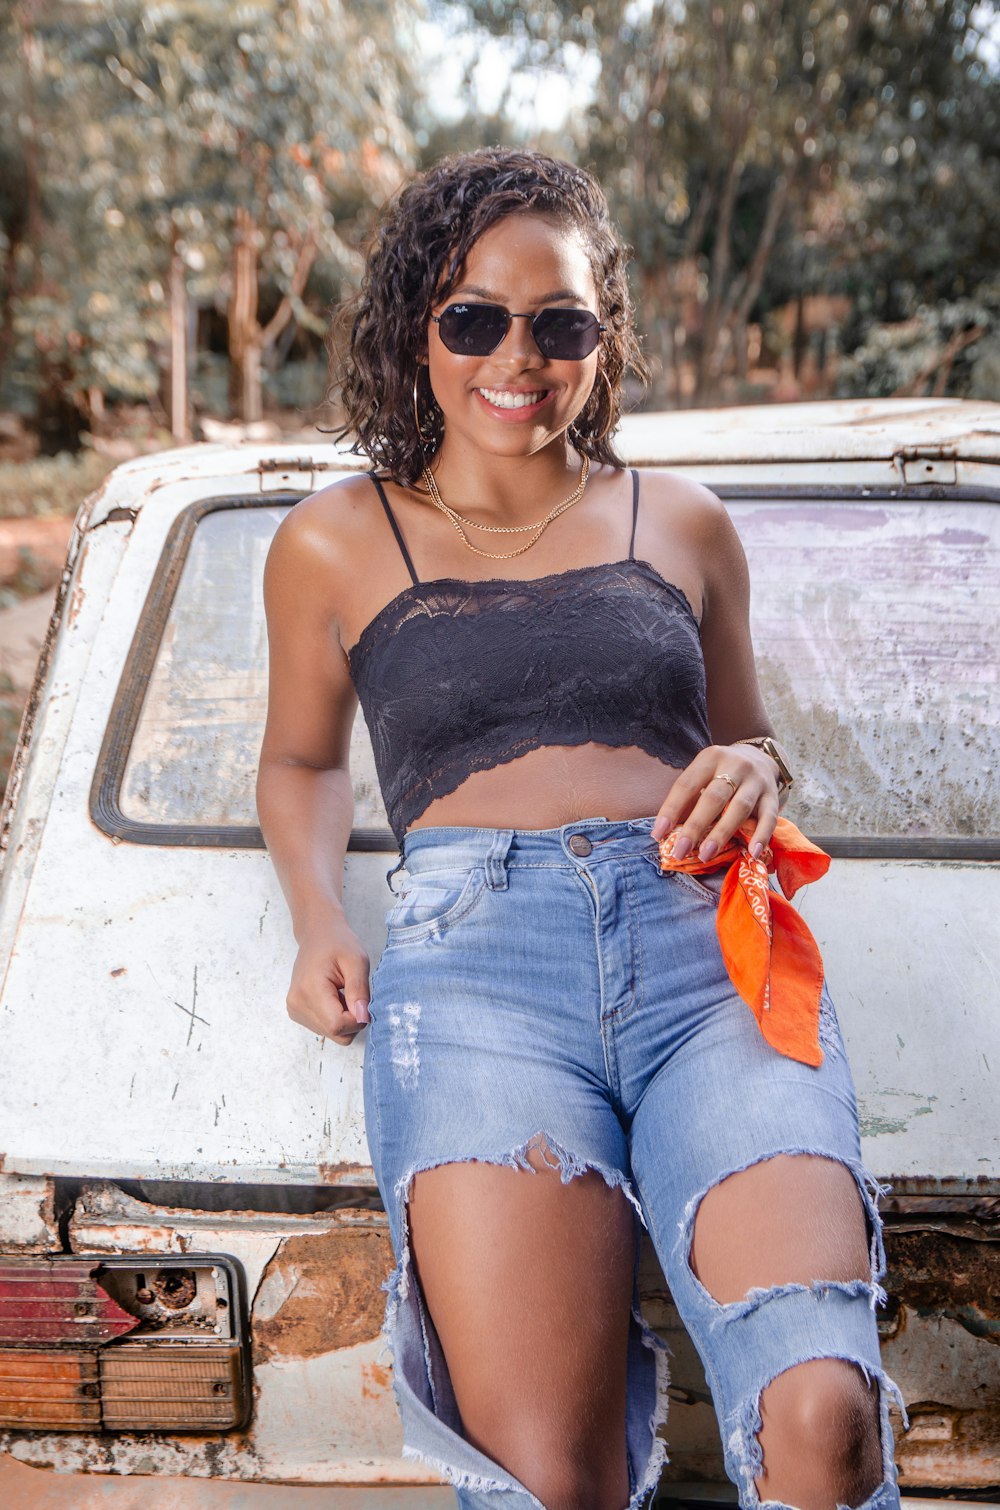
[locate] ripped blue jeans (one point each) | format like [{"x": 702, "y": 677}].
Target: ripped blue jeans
[{"x": 554, "y": 988}]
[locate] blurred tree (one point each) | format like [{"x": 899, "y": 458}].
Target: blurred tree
[
  {"x": 743, "y": 143},
  {"x": 913, "y": 217},
  {"x": 19, "y": 215},
  {"x": 196, "y": 145}
]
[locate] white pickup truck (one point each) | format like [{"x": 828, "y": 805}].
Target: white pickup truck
[{"x": 191, "y": 1243}]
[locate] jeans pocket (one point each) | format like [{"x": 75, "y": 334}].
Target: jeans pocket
[
  {"x": 707, "y": 887},
  {"x": 431, "y": 902}
]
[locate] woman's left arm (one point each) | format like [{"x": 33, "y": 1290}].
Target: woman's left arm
[{"x": 706, "y": 810}]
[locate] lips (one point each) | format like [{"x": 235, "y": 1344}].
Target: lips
[
  {"x": 507, "y": 398},
  {"x": 517, "y": 403}
]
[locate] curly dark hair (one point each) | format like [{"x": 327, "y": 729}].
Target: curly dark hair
[{"x": 415, "y": 260}]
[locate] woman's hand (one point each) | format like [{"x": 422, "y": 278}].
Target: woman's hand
[
  {"x": 329, "y": 992},
  {"x": 707, "y": 810}
]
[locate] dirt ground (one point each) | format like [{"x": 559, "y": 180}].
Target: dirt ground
[
  {"x": 22, "y": 630},
  {"x": 24, "y": 1488}
]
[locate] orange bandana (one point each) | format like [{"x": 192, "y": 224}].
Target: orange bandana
[{"x": 772, "y": 958}]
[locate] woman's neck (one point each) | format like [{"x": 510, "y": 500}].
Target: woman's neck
[{"x": 505, "y": 489}]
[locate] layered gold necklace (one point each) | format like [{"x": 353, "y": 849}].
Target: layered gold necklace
[{"x": 539, "y": 527}]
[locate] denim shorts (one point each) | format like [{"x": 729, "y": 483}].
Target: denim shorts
[{"x": 554, "y": 987}]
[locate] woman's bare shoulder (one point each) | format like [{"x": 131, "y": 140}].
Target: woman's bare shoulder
[
  {"x": 689, "y": 523},
  {"x": 329, "y": 529},
  {"x": 680, "y": 498}
]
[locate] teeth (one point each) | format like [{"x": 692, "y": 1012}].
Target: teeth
[{"x": 506, "y": 400}]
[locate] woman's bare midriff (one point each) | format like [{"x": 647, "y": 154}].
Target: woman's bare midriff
[{"x": 555, "y": 785}]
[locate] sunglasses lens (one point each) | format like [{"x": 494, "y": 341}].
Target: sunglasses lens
[
  {"x": 566, "y": 335},
  {"x": 472, "y": 330}
]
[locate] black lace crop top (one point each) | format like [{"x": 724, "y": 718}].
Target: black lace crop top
[{"x": 455, "y": 677}]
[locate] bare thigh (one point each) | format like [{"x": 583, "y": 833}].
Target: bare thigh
[{"x": 528, "y": 1282}]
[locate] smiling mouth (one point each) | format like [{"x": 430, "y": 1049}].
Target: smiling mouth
[{"x": 503, "y": 398}]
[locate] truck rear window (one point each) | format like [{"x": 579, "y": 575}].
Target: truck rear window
[
  {"x": 876, "y": 624},
  {"x": 877, "y": 630},
  {"x": 192, "y": 758}
]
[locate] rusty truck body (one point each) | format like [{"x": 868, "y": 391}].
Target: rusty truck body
[{"x": 192, "y": 1247}]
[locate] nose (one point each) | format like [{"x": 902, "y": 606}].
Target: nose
[{"x": 518, "y": 345}]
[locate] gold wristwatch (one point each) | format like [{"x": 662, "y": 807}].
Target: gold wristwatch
[{"x": 771, "y": 747}]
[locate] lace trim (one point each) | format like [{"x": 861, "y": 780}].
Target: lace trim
[{"x": 371, "y": 628}]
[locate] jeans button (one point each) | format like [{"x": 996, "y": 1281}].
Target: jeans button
[{"x": 580, "y": 845}]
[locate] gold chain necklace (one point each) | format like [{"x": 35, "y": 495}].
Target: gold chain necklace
[{"x": 539, "y": 527}]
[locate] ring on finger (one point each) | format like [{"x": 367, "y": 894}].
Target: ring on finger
[{"x": 721, "y": 776}]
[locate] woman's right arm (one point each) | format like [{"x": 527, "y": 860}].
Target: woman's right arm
[{"x": 305, "y": 800}]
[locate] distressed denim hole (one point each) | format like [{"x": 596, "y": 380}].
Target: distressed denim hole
[{"x": 421, "y": 1372}]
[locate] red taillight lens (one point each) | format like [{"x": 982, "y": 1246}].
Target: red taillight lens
[
  {"x": 57, "y": 1301},
  {"x": 122, "y": 1344}
]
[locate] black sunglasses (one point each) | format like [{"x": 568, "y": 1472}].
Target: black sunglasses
[{"x": 561, "y": 335}]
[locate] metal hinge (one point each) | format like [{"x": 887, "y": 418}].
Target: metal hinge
[
  {"x": 292, "y": 474},
  {"x": 927, "y": 464}
]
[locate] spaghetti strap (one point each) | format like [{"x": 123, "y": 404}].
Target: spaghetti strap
[
  {"x": 635, "y": 512},
  {"x": 380, "y": 490}
]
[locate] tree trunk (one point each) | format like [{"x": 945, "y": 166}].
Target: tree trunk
[
  {"x": 721, "y": 261},
  {"x": 244, "y": 332},
  {"x": 178, "y": 392},
  {"x": 8, "y": 299}
]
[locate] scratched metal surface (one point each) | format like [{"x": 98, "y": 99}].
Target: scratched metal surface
[{"x": 143, "y": 1022}]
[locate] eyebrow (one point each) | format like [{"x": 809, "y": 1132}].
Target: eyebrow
[{"x": 557, "y": 297}]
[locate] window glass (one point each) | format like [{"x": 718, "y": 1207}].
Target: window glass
[
  {"x": 877, "y": 632},
  {"x": 194, "y": 753},
  {"x": 876, "y": 627}
]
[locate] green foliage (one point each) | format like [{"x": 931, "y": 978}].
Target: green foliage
[
  {"x": 758, "y": 151},
  {"x": 948, "y": 346},
  {"x": 754, "y": 152},
  {"x": 154, "y": 125},
  {"x": 10, "y": 723}
]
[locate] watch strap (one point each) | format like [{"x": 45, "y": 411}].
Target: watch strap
[{"x": 771, "y": 747}]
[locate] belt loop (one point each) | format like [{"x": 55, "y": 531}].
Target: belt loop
[{"x": 496, "y": 860}]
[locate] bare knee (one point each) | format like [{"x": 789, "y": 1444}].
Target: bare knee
[{"x": 820, "y": 1436}]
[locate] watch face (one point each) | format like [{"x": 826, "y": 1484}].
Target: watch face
[{"x": 776, "y": 755}]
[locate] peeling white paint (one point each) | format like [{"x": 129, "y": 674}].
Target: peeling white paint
[{"x": 27, "y": 1219}]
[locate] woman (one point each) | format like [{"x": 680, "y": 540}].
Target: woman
[{"x": 556, "y": 1049}]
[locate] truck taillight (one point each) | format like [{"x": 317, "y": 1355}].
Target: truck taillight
[{"x": 123, "y": 1344}]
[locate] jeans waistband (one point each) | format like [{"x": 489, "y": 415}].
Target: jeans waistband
[{"x": 583, "y": 842}]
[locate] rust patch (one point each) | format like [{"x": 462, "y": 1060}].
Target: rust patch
[
  {"x": 984, "y": 1208},
  {"x": 175, "y": 1288},
  {"x": 947, "y": 1448},
  {"x": 79, "y": 593},
  {"x": 943, "y": 1275},
  {"x": 345, "y": 1174},
  {"x": 375, "y": 1380},
  {"x": 320, "y": 1293},
  {"x": 938, "y": 1273}
]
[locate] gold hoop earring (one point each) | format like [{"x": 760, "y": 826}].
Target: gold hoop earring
[
  {"x": 611, "y": 409},
  {"x": 611, "y": 392},
  {"x": 423, "y": 435}
]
